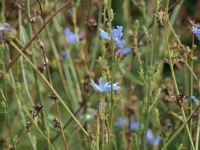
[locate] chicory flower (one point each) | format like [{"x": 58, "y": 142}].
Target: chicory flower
[
  {"x": 65, "y": 55},
  {"x": 104, "y": 87},
  {"x": 72, "y": 37},
  {"x": 121, "y": 122},
  {"x": 196, "y": 31},
  {"x": 69, "y": 11},
  {"x": 121, "y": 49},
  {"x": 193, "y": 99},
  {"x": 115, "y": 33},
  {"x": 101, "y": 105},
  {"x": 152, "y": 139}
]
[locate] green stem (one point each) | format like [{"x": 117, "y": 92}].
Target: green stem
[
  {"x": 8, "y": 116},
  {"x": 197, "y": 135},
  {"x": 44, "y": 122},
  {"x": 172, "y": 70},
  {"x": 12, "y": 83},
  {"x": 98, "y": 127},
  {"x": 3, "y": 11},
  {"x": 66, "y": 89},
  {"x": 59, "y": 98},
  {"x": 180, "y": 129},
  {"x": 112, "y": 92}
]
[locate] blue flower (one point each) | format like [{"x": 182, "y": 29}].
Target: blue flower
[
  {"x": 193, "y": 99},
  {"x": 104, "y": 87},
  {"x": 71, "y": 37},
  {"x": 152, "y": 139},
  {"x": 116, "y": 34},
  {"x": 1, "y": 34},
  {"x": 125, "y": 51},
  {"x": 120, "y": 44},
  {"x": 104, "y": 34},
  {"x": 1, "y": 28},
  {"x": 196, "y": 31},
  {"x": 121, "y": 49},
  {"x": 169, "y": 126},
  {"x": 7, "y": 27},
  {"x": 69, "y": 11},
  {"x": 65, "y": 55},
  {"x": 135, "y": 125},
  {"x": 101, "y": 105},
  {"x": 121, "y": 122}
]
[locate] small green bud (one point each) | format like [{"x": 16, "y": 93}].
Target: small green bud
[{"x": 3, "y": 104}]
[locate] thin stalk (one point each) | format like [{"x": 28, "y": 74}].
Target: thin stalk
[
  {"x": 8, "y": 116},
  {"x": 3, "y": 11},
  {"x": 45, "y": 61},
  {"x": 97, "y": 39},
  {"x": 191, "y": 93},
  {"x": 98, "y": 127},
  {"x": 25, "y": 81},
  {"x": 61, "y": 128},
  {"x": 180, "y": 129},
  {"x": 12, "y": 83},
  {"x": 197, "y": 134},
  {"x": 45, "y": 80},
  {"x": 24, "y": 49},
  {"x": 66, "y": 124},
  {"x": 36, "y": 79},
  {"x": 112, "y": 93},
  {"x": 87, "y": 38},
  {"x": 172, "y": 70},
  {"x": 17, "y": 143},
  {"x": 66, "y": 89}
]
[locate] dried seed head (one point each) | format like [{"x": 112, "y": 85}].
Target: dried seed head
[
  {"x": 19, "y": 5},
  {"x": 52, "y": 96},
  {"x": 28, "y": 126},
  {"x": 57, "y": 122},
  {"x": 40, "y": 44},
  {"x": 38, "y": 13},
  {"x": 118, "y": 56},
  {"x": 86, "y": 83},
  {"x": 41, "y": 67},
  {"x": 106, "y": 69},
  {"x": 33, "y": 19},
  {"x": 33, "y": 114},
  {"x": 91, "y": 134},
  {"x": 38, "y": 107},
  {"x": 196, "y": 87},
  {"x": 91, "y": 23},
  {"x": 181, "y": 98}
]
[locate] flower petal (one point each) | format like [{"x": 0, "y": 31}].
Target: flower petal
[
  {"x": 1, "y": 28},
  {"x": 196, "y": 31},
  {"x": 95, "y": 86},
  {"x": 72, "y": 37},
  {"x": 116, "y": 87},
  {"x": 157, "y": 140},
  {"x": 125, "y": 51},
  {"x": 120, "y": 44},
  {"x": 104, "y": 34}
]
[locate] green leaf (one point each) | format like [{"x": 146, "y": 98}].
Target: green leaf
[{"x": 129, "y": 75}]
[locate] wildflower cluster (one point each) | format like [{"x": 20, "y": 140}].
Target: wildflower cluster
[{"x": 151, "y": 138}]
